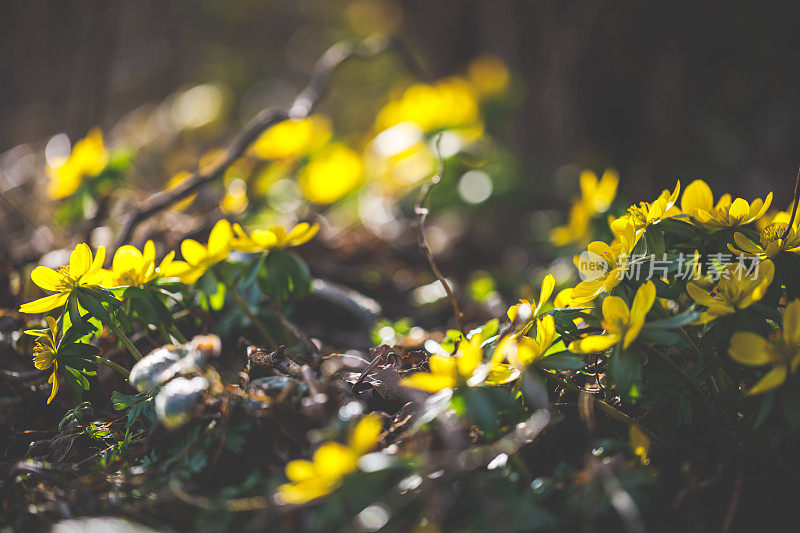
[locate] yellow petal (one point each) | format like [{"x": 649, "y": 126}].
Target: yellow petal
[
  {"x": 428, "y": 382},
  {"x": 127, "y": 258},
  {"x": 697, "y": 195},
  {"x": 469, "y": 356},
  {"x": 149, "y": 251},
  {"x": 548, "y": 284},
  {"x": 300, "y": 470},
  {"x": 54, "y": 382},
  {"x": 305, "y": 237},
  {"x": 593, "y": 343},
  {"x": 700, "y": 296},
  {"x": 366, "y": 434},
  {"x": 642, "y": 302},
  {"x": 773, "y": 379},
  {"x": 749, "y": 349},
  {"x": 219, "y": 240},
  {"x": 501, "y": 374},
  {"x": 47, "y": 278},
  {"x": 586, "y": 291},
  {"x": 791, "y": 323},
  {"x": 746, "y": 244},
  {"x": 740, "y": 210},
  {"x": 80, "y": 261},
  {"x": 305, "y": 491},
  {"x": 45, "y": 304},
  {"x": 333, "y": 460},
  {"x": 615, "y": 310},
  {"x": 193, "y": 252}
]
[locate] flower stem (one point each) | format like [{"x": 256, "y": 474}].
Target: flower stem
[
  {"x": 112, "y": 365},
  {"x": 607, "y": 408},
  {"x": 262, "y": 329},
  {"x": 125, "y": 340}
]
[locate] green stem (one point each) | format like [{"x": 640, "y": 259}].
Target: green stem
[
  {"x": 607, "y": 408},
  {"x": 112, "y": 365},
  {"x": 125, "y": 340},
  {"x": 177, "y": 334},
  {"x": 262, "y": 329}
]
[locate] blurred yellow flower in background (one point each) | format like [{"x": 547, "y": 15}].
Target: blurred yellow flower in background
[
  {"x": 331, "y": 173},
  {"x": 781, "y": 349},
  {"x": 332, "y": 461},
  {"x": 261, "y": 240},
  {"x": 596, "y": 197},
  {"x": 488, "y": 75},
  {"x": 698, "y": 201},
  {"x": 448, "y": 103},
  {"x": 83, "y": 270},
  {"x": 294, "y": 138},
  {"x": 88, "y": 158}
]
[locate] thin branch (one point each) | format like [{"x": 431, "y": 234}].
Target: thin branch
[
  {"x": 422, "y": 211},
  {"x": 794, "y": 206},
  {"x": 301, "y": 107}
]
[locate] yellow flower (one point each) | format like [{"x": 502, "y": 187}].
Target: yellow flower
[
  {"x": 781, "y": 349},
  {"x": 596, "y": 197},
  {"x": 488, "y": 75},
  {"x": 330, "y": 174},
  {"x": 133, "y": 268},
  {"x": 621, "y": 324},
  {"x": 735, "y": 290},
  {"x": 604, "y": 266},
  {"x": 698, "y": 201},
  {"x": 198, "y": 258},
  {"x": 770, "y": 242},
  {"x": 261, "y": 240},
  {"x": 294, "y": 138},
  {"x": 449, "y": 371},
  {"x": 81, "y": 271},
  {"x": 521, "y": 350},
  {"x": 88, "y": 158},
  {"x": 533, "y": 307},
  {"x": 332, "y": 461},
  {"x": 645, "y": 213},
  {"x": 44, "y": 353},
  {"x": 449, "y": 103}
]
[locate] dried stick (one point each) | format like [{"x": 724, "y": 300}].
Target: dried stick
[
  {"x": 422, "y": 211},
  {"x": 301, "y": 107}
]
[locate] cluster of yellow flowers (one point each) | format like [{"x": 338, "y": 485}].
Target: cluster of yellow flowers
[
  {"x": 622, "y": 315},
  {"x": 88, "y": 158}
]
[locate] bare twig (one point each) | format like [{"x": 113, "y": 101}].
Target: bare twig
[
  {"x": 301, "y": 107},
  {"x": 794, "y": 205},
  {"x": 422, "y": 212},
  {"x": 735, "y": 496}
]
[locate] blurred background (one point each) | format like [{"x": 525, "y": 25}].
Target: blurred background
[
  {"x": 658, "y": 90},
  {"x": 526, "y": 93}
]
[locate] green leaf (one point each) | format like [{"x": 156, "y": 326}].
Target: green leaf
[
  {"x": 625, "y": 369},
  {"x": 676, "y": 321},
  {"x": 561, "y": 361}
]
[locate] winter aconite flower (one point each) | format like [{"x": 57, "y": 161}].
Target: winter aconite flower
[
  {"x": 607, "y": 265},
  {"x": 698, "y": 201},
  {"x": 522, "y": 350},
  {"x": 532, "y": 308},
  {"x": 596, "y": 197},
  {"x": 330, "y": 174},
  {"x": 44, "y": 353},
  {"x": 464, "y": 367},
  {"x": 261, "y": 240},
  {"x": 198, "y": 258},
  {"x": 621, "y": 324},
  {"x": 735, "y": 290},
  {"x": 83, "y": 270},
  {"x": 770, "y": 243},
  {"x": 781, "y": 349},
  {"x": 294, "y": 138},
  {"x": 132, "y": 267},
  {"x": 331, "y": 462},
  {"x": 642, "y": 215},
  {"x": 88, "y": 158}
]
